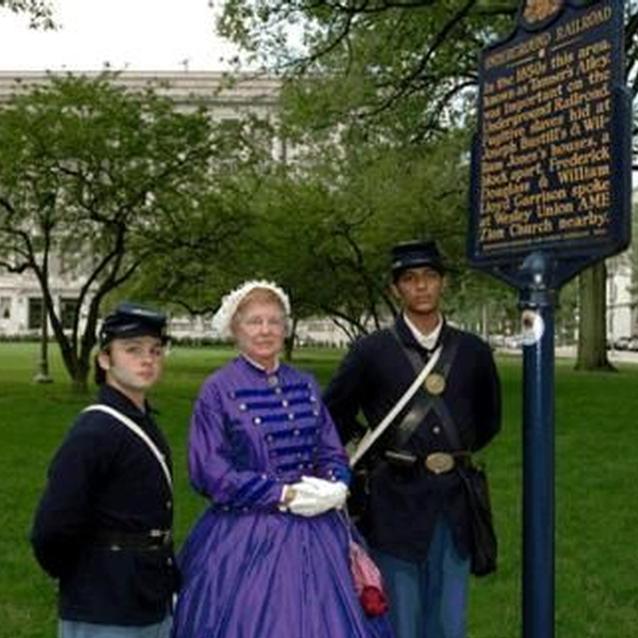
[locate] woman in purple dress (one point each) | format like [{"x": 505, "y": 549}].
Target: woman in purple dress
[{"x": 269, "y": 558}]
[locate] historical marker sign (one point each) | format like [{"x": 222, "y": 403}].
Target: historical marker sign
[
  {"x": 550, "y": 194},
  {"x": 551, "y": 159}
]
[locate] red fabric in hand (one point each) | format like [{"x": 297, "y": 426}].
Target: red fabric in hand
[{"x": 367, "y": 581}]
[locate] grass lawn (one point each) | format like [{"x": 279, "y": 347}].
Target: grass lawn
[{"x": 596, "y": 479}]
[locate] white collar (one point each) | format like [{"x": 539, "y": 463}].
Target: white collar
[
  {"x": 259, "y": 366},
  {"x": 427, "y": 341}
]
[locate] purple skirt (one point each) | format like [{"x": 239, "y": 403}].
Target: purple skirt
[{"x": 257, "y": 575}]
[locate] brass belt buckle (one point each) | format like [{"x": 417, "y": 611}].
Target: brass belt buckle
[{"x": 439, "y": 462}]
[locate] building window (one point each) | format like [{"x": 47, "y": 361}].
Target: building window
[
  {"x": 67, "y": 312},
  {"x": 5, "y": 307},
  {"x": 35, "y": 313}
]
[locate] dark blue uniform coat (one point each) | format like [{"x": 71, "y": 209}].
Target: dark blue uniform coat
[
  {"x": 104, "y": 478},
  {"x": 404, "y": 503}
]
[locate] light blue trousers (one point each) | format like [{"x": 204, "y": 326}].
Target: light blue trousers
[
  {"x": 428, "y": 599},
  {"x": 72, "y": 629}
]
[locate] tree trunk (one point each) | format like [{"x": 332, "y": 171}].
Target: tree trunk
[
  {"x": 79, "y": 378},
  {"x": 592, "y": 329},
  {"x": 42, "y": 373}
]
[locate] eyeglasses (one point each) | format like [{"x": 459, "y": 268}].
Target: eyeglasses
[{"x": 256, "y": 323}]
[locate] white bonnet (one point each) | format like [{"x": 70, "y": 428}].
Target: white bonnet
[{"x": 224, "y": 315}]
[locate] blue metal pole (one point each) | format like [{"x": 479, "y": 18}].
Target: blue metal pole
[{"x": 537, "y": 302}]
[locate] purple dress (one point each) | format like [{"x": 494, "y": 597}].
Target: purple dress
[{"x": 249, "y": 570}]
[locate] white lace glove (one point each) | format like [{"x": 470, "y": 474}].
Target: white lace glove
[{"x": 314, "y": 496}]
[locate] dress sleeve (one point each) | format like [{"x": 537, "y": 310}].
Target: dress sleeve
[
  {"x": 343, "y": 395},
  {"x": 212, "y": 466},
  {"x": 63, "y": 516}
]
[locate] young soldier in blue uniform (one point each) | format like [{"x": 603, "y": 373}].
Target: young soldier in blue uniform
[
  {"x": 103, "y": 524},
  {"x": 416, "y": 515}
]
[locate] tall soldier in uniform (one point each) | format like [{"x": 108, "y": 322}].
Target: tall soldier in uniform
[
  {"x": 103, "y": 524},
  {"x": 416, "y": 514}
]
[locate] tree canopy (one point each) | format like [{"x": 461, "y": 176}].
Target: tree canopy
[
  {"x": 39, "y": 11},
  {"x": 89, "y": 177},
  {"x": 391, "y": 73}
]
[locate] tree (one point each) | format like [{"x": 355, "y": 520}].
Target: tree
[
  {"x": 321, "y": 226},
  {"x": 592, "y": 283},
  {"x": 371, "y": 60},
  {"x": 201, "y": 244},
  {"x": 405, "y": 68},
  {"x": 87, "y": 173},
  {"x": 358, "y": 200},
  {"x": 592, "y": 333},
  {"x": 377, "y": 167},
  {"x": 39, "y": 11}
]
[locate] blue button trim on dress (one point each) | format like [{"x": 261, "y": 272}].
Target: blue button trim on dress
[
  {"x": 273, "y": 405},
  {"x": 243, "y": 393},
  {"x": 273, "y": 418},
  {"x": 284, "y": 467},
  {"x": 293, "y": 449}
]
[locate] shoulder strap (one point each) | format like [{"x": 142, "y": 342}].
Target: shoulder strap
[
  {"x": 372, "y": 435},
  {"x": 137, "y": 430},
  {"x": 425, "y": 401},
  {"x": 416, "y": 360}
]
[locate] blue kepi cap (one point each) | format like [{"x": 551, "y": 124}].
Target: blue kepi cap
[
  {"x": 130, "y": 320},
  {"x": 413, "y": 254}
]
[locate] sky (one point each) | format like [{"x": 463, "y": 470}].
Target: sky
[{"x": 142, "y": 35}]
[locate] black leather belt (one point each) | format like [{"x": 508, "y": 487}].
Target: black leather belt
[{"x": 152, "y": 540}]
